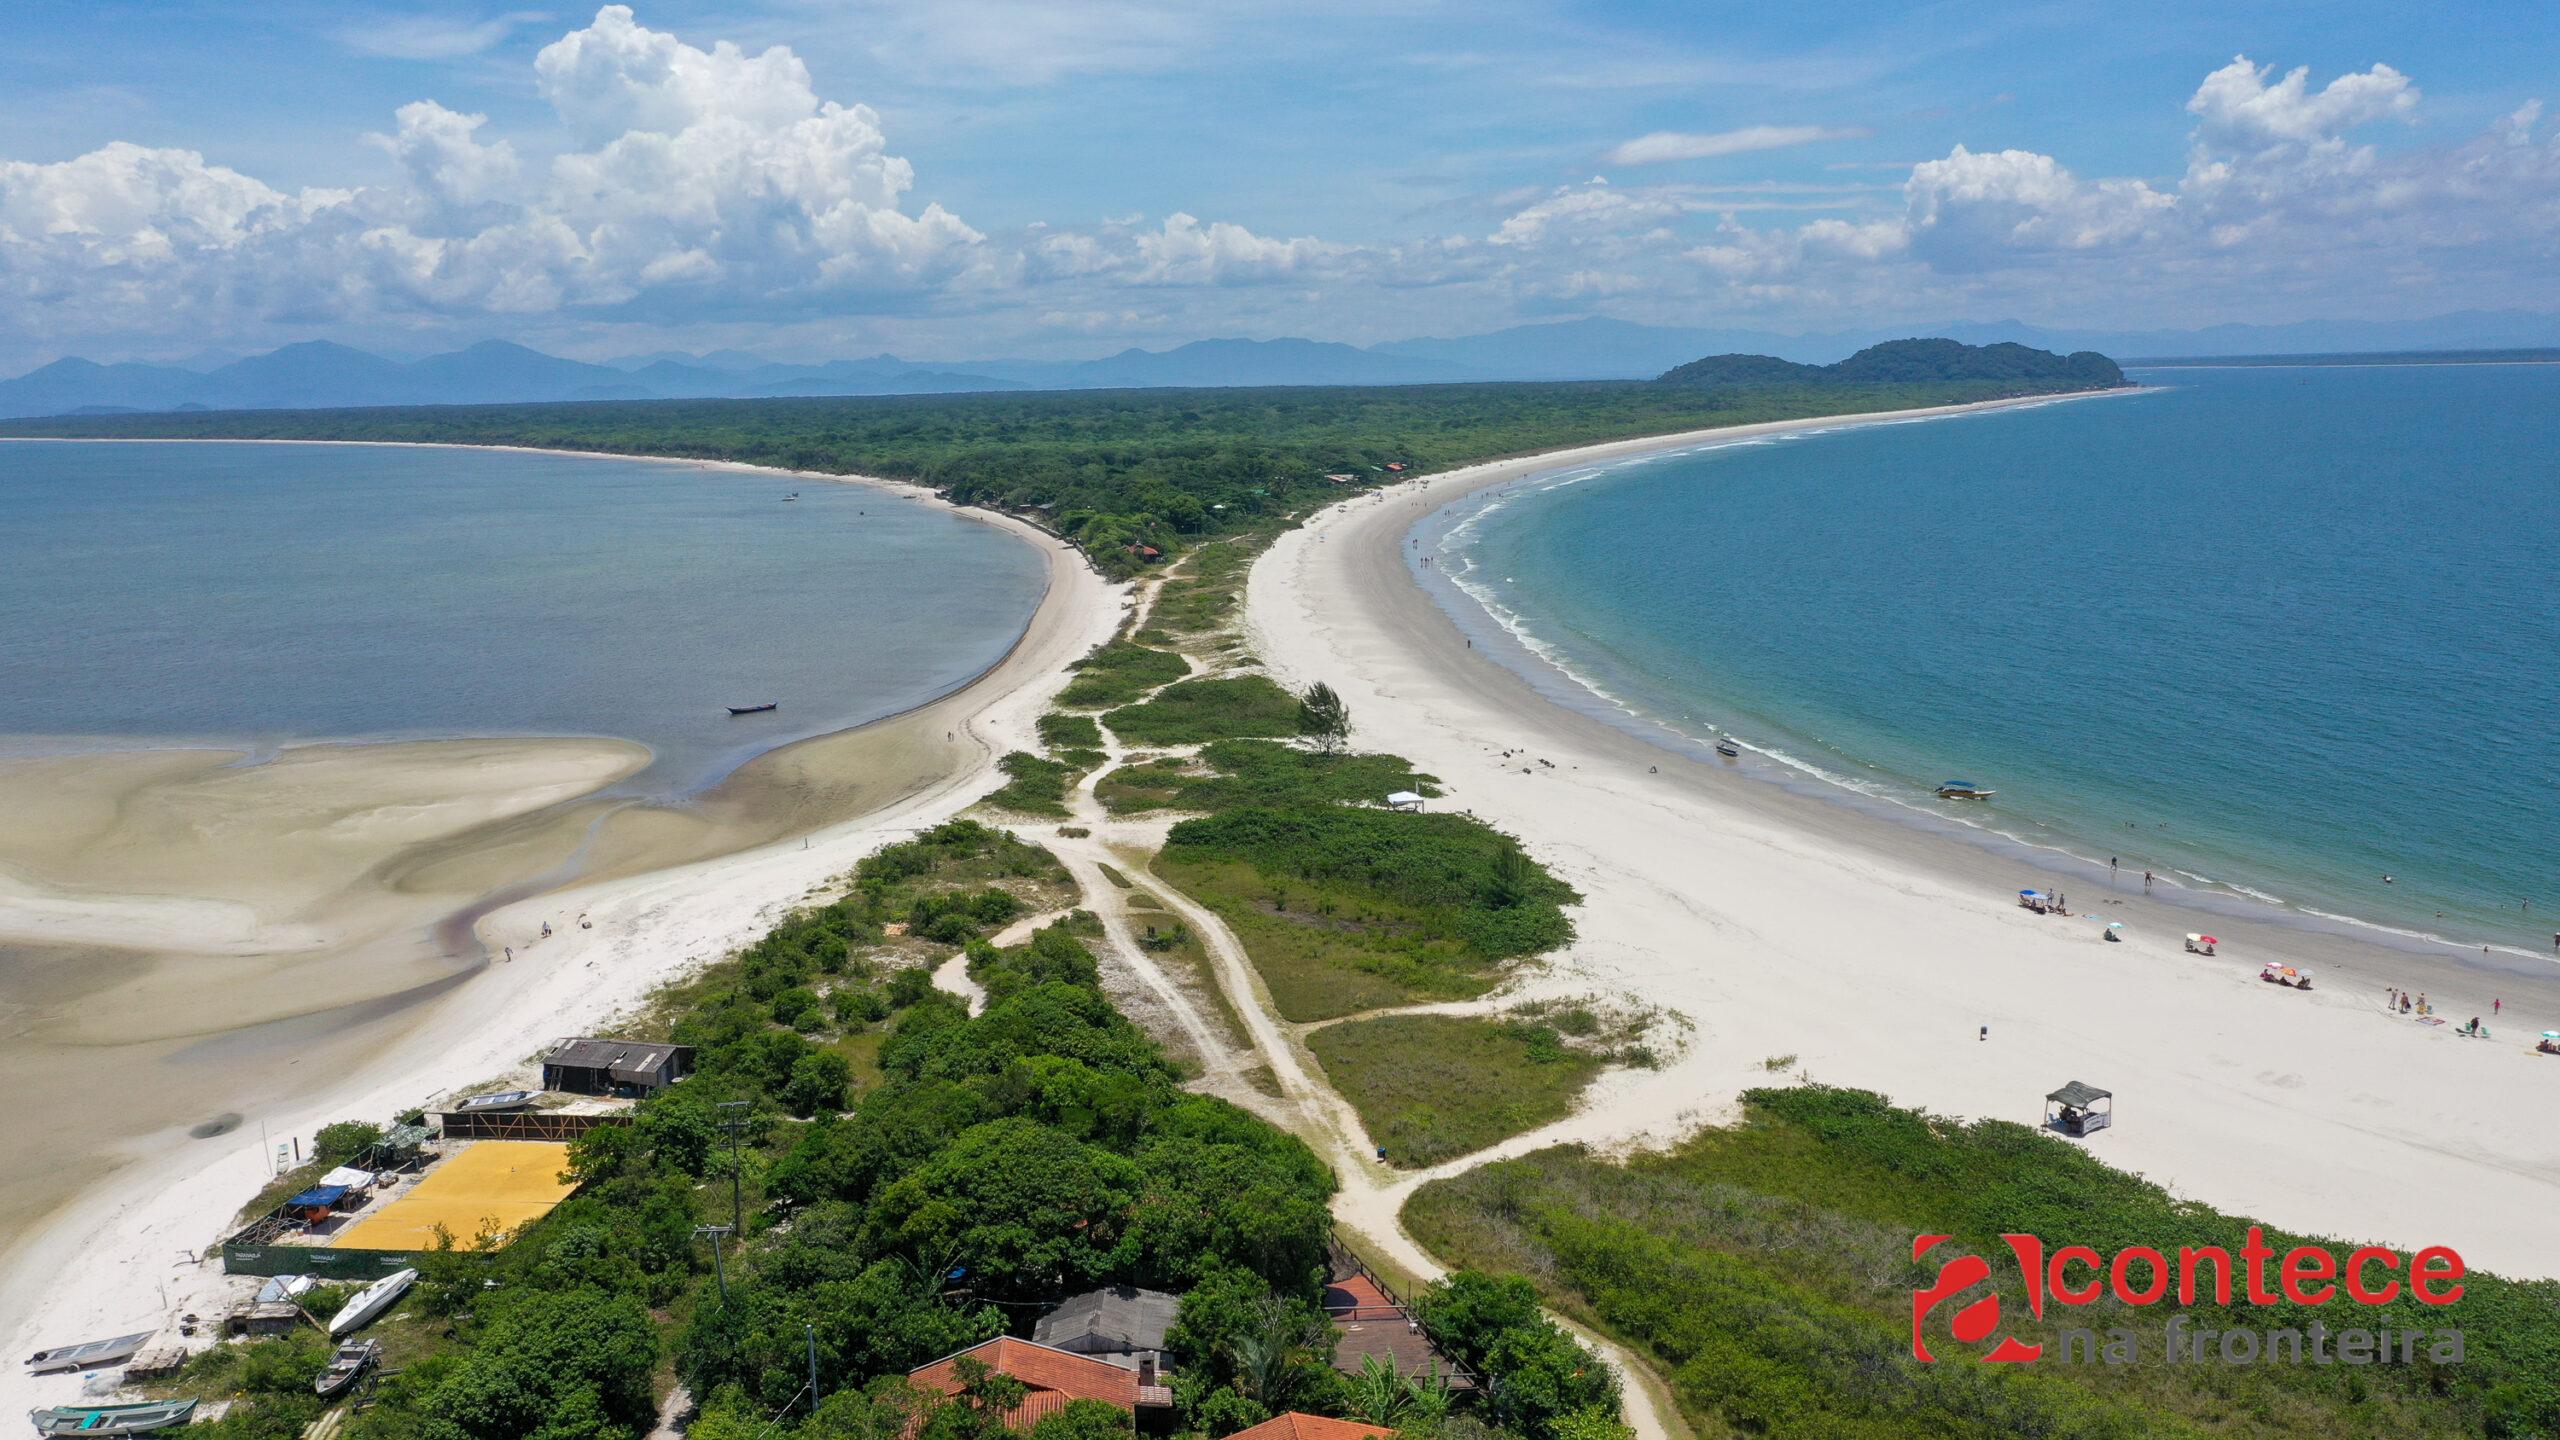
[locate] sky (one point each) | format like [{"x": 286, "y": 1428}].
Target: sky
[{"x": 950, "y": 179}]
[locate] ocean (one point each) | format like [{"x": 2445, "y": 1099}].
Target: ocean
[
  {"x": 2287, "y": 637},
  {"x": 262, "y": 595}
]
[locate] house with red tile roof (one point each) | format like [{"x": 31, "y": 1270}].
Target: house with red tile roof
[
  {"x": 1298, "y": 1425},
  {"x": 1051, "y": 1376}
]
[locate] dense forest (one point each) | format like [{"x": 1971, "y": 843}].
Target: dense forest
[
  {"x": 907, "y": 1179},
  {"x": 1113, "y": 471},
  {"x": 1913, "y": 362}
]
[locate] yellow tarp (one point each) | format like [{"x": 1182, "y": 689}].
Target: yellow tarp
[{"x": 513, "y": 1182}]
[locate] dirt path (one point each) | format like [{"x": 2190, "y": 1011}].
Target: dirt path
[{"x": 1370, "y": 1200}]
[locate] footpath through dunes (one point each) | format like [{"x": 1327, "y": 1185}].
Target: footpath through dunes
[{"x": 1187, "y": 972}]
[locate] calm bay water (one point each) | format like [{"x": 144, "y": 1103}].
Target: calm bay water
[
  {"x": 275, "y": 593},
  {"x": 2275, "y": 633}
]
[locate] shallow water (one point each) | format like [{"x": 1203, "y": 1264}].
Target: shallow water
[
  {"x": 276, "y": 593},
  {"x": 2274, "y": 633}
]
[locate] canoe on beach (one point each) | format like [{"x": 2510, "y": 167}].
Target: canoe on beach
[
  {"x": 755, "y": 709},
  {"x": 112, "y": 1419},
  {"x": 87, "y": 1353}
]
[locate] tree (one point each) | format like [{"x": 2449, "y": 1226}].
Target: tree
[
  {"x": 1323, "y": 715},
  {"x": 339, "y": 1143},
  {"x": 818, "y": 1083},
  {"x": 1085, "y": 1420},
  {"x": 1515, "y": 875},
  {"x": 1231, "y": 1329},
  {"x": 562, "y": 1365}
]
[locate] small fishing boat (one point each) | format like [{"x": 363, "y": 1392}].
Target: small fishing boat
[
  {"x": 345, "y": 1364},
  {"x": 113, "y": 1419},
  {"x": 494, "y": 1101},
  {"x": 87, "y": 1353},
  {"x": 1726, "y": 748},
  {"x": 370, "y": 1301},
  {"x": 755, "y": 709},
  {"x": 1964, "y": 790}
]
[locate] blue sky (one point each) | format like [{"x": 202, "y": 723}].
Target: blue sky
[{"x": 973, "y": 177}]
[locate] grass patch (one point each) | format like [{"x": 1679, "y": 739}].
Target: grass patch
[
  {"x": 1430, "y": 1087},
  {"x": 1148, "y": 785},
  {"x": 1192, "y": 711},
  {"x": 1112, "y": 874},
  {"x": 1235, "y": 773},
  {"x": 1118, "y": 673},
  {"x": 1766, "y": 1272},
  {"x": 1203, "y": 597},
  {"x": 1060, "y": 731},
  {"x": 1346, "y": 909},
  {"x": 1033, "y": 786},
  {"x": 1329, "y": 951}
]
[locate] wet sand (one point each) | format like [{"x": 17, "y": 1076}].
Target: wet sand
[{"x": 226, "y": 951}]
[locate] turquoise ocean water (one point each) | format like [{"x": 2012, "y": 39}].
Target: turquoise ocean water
[
  {"x": 2272, "y": 633},
  {"x": 266, "y": 594}
]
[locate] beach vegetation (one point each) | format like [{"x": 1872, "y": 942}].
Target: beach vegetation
[
  {"x": 342, "y": 1141},
  {"x": 1348, "y": 908},
  {"x": 1324, "y": 718},
  {"x": 1230, "y": 773},
  {"x": 1764, "y": 1270},
  {"x": 1033, "y": 785},
  {"x": 1118, "y": 673},
  {"x": 1432, "y": 1087},
  {"x": 1190, "y": 712}
]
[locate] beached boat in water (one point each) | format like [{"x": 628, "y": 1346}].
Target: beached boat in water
[
  {"x": 1964, "y": 790},
  {"x": 87, "y": 1353},
  {"x": 370, "y": 1301},
  {"x": 755, "y": 709},
  {"x": 345, "y": 1364},
  {"x": 113, "y": 1419},
  {"x": 1726, "y": 748}
]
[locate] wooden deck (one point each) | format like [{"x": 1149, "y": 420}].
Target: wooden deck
[{"x": 1374, "y": 1322}]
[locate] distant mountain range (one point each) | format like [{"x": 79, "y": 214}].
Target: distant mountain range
[
  {"x": 1906, "y": 362},
  {"x": 321, "y": 375}
]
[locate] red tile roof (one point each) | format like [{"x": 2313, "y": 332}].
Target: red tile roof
[
  {"x": 1053, "y": 1376},
  {"x": 1297, "y": 1425}
]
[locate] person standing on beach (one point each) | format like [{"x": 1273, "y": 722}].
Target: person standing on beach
[
  {"x": 2146, "y": 882},
  {"x": 2111, "y": 864},
  {"x": 2495, "y": 1006}
]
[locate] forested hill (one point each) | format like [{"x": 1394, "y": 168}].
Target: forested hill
[
  {"x": 1913, "y": 362},
  {"x": 1120, "y": 473}
]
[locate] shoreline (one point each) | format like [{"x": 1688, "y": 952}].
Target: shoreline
[
  {"x": 1509, "y": 640},
  {"x": 1804, "y": 937},
  {"x": 120, "y": 1253}
]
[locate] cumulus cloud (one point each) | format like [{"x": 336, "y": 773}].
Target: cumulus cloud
[
  {"x": 1664, "y": 145},
  {"x": 2236, "y": 104},
  {"x": 700, "y": 176}
]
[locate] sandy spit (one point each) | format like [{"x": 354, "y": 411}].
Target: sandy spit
[{"x": 1805, "y": 938}]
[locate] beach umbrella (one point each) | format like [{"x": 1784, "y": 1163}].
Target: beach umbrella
[
  {"x": 2551, "y": 1034},
  {"x": 2208, "y": 940},
  {"x": 2115, "y": 924},
  {"x": 2031, "y": 894}
]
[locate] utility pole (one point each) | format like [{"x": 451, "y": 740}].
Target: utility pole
[
  {"x": 735, "y": 1125},
  {"x": 715, "y": 1234},
  {"x": 813, "y": 1368}
]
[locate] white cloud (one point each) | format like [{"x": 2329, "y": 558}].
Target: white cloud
[
  {"x": 432, "y": 37},
  {"x": 1186, "y": 252},
  {"x": 2236, "y": 104},
  {"x": 1596, "y": 210},
  {"x": 1664, "y": 145},
  {"x": 438, "y": 151}
]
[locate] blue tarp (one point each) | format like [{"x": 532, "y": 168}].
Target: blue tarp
[{"x": 317, "y": 1195}]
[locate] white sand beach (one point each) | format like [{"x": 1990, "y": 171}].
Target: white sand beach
[
  {"x": 126, "y": 1255},
  {"x": 1803, "y": 937}
]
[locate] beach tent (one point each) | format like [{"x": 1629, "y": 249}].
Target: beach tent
[
  {"x": 318, "y": 1197},
  {"x": 1404, "y": 800},
  {"x": 2074, "y": 1109},
  {"x": 350, "y": 1177}
]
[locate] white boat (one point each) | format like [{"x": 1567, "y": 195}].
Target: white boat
[{"x": 370, "y": 1301}]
